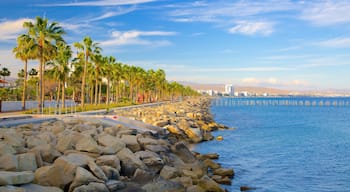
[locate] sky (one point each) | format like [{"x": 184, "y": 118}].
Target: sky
[{"x": 291, "y": 44}]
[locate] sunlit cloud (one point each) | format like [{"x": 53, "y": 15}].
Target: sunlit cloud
[
  {"x": 10, "y": 29},
  {"x": 135, "y": 37},
  {"x": 252, "y": 28},
  {"x": 100, "y": 3}
]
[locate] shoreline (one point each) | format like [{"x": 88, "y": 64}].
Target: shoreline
[{"x": 73, "y": 154}]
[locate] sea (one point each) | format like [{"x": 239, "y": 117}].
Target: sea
[{"x": 294, "y": 144}]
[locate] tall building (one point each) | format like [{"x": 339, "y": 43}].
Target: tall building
[{"x": 229, "y": 90}]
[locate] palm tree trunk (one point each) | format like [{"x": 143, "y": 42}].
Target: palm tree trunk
[
  {"x": 24, "y": 86},
  {"x": 82, "y": 97},
  {"x": 107, "y": 99},
  {"x": 99, "y": 93},
  {"x": 63, "y": 93},
  {"x": 40, "y": 104},
  {"x": 58, "y": 94},
  {"x": 96, "y": 89}
]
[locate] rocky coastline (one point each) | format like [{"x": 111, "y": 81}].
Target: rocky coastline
[{"x": 147, "y": 151}]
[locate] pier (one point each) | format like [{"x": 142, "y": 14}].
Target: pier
[{"x": 282, "y": 101}]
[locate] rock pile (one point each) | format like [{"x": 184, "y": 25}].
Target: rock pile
[
  {"x": 190, "y": 120},
  {"x": 75, "y": 155}
]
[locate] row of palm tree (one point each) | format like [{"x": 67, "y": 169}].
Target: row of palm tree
[{"x": 89, "y": 73}]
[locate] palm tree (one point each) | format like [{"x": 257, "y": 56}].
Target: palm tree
[
  {"x": 24, "y": 53},
  {"x": 87, "y": 48},
  {"x": 98, "y": 61},
  {"x": 110, "y": 61},
  {"x": 45, "y": 36},
  {"x": 61, "y": 69},
  {"x": 5, "y": 72}
]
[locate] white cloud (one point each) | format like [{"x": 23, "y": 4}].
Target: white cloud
[
  {"x": 134, "y": 37},
  {"x": 327, "y": 12},
  {"x": 118, "y": 11},
  {"x": 252, "y": 28},
  {"x": 101, "y": 3},
  {"x": 335, "y": 43},
  {"x": 9, "y": 30}
]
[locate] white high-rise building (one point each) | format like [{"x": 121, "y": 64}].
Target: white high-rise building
[{"x": 229, "y": 90}]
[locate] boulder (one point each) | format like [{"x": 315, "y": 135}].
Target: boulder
[
  {"x": 185, "y": 181},
  {"x": 109, "y": 160},
  {"x": 110, "y": 172},
  {"x": 157, "y": 148},
  {"x": 57, "y": 127},
  {"x": 169, "y": 172},
  {"x": 34, "y": 141},
  {"x": 47, "y": 152},
  {"x": 131, "y": 142},
  {"x": 222, "y": 179},
  {"x": 16, "y": 178},
  {"x": 92, "y": 187},
  {"x": 83, "y": 177},
  {"x": 13, "y": 139},
  {"x": 224, "y": 172},
  {"x": 9, "y": 162},
  {"x": 209, "y": 185},
  {"x": 195, "y": 188},
  {"x": 129, "y": 162},
  {"x": 161, "y": 123},
  {"x": 164, "y": 185},
  {"x": 67, "y": 141},
  {"x": 111, "y": 141},
  {"x": 38, "y": 188},
  {"x": 142, "y": 176},
  {"x": 87, "y": 144},
  {"x": 174, "y": 129},
  {"x": 211, "y": 164},
  {"x": 114, "y": 185},
  {"x": 62, "y": 171},
  {"x": 27, "y": 162},
  {"x": 10, "y": 188},
  {"x": 151, "y": 159},
  {"x": 6, "y": 149},
  {"x": 181, "y": 150},
  {"x": 147, "y": 141},
  {"x": 97, "y": 171}
]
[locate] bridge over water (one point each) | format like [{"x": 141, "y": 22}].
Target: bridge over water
[{"x": 282, "y": 101}]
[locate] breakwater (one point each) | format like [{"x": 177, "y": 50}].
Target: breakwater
[
  {"x": 110, "y": 153},
  {"x": 282, "y": 101}
]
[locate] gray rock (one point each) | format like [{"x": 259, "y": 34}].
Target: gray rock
[
  {"x": 169, "y": 172},
  {"x": 209, "y": 185},
  {"x": 47, "y": 152},
  {"x": 92, "y": 187},
  {"x": 10, "y": 188},
  {"x": 109, "y": 160},
  {"x": 131, "y": 142},
  {"x": 83, "y": 177},
  {"x": 142, "y": 176},
  {"x": 224, "y": 172},
  {"x": 16, "y": 178},
  {"x": 27, "y": 162},
  {"x": 62, "y": 171},
  {"x": 181, "y": 150},
  {"x": 162, "y": 185},
  {"x": 38, "y": 188},
  {"x": 110, "y": 172},
  {"x": 130, "y": 162},
  {"x": 111, "y": 141},
  {"x": 114, "y": 185},
  {"x": 156, "y": 148},
  {"x": 6, "y": 149},
  {"x": 9, "y": 162},
  {"x": 97, "y": 171},
  {"x": 87, "y": 144},
  {"x": 147, "y": 141},
  {"x": 195, "y": 188}
]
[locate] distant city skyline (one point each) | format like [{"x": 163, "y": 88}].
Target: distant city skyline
[{"x": 290, "y": 44}]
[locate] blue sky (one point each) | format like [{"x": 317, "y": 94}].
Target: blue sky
[{"x": 290, "y": 44}]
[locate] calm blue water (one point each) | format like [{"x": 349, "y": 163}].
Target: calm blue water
[{"x": 285, "y": 148}]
